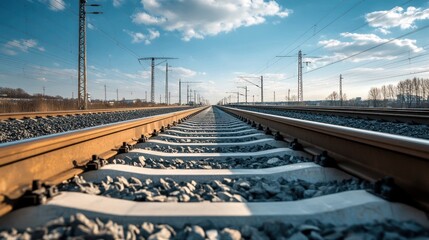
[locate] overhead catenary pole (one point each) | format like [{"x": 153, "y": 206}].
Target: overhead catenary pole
[
  {"x": 180, "y": 92},
  {"x": 188, "y": 97},
  {"x": 262, "y": 89},
  {"x": 187, "y": 94},
  {"x": 82, "y": 98},
  {"x": 238, "y": 96},
  {"x": 300, "y": 90},
  {"x": 152, "y": 75},
  {"x": 245, "y": 93},
  {"x": 166, "y": 82},
  {"x": 300, "y": 79},
  {"x": 341, "y": 89}
]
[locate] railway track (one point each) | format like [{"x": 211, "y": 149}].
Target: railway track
[
  {"x": 29, "y": 115},
  {"x": 224, "y": 173},
  {"x": 414, "y": 115}
]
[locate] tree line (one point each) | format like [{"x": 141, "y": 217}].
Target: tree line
[
  {"x": 20, "y": 93},
  {"x": 407, "y": 93}
]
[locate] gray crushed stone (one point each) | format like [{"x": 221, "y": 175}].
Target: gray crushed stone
[
  {"x": 186, "y": 140},
  {"x": 253, "y": 189},
  {"x": 78, "y": 226},
  {"x": 15, "y": 130},
  {"x": 229, "y": 149},
  {"x": 209, "y": 163}
]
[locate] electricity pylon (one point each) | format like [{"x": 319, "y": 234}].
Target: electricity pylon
[
  {"x": 300, "y": 80},
  {"x": 82, "y": 92},
  {"x": 152, "y": 76}
]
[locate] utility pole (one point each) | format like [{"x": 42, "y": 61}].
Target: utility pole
[
  {"x": 117, "y": 95},
  {"x": 300, "y": 79},
  {"x": 152, "y": 75},
  {"x": 245, "y": 92},
  {"x": 195, "y": 96},
  {"x": 341, "y": 89},
  {"x": 82, "y": 100},
  {"x": 166, "y": 83},
  {"x": 262, "y": 89},
  {"x": 105, "y": 93},
  {"x": 288, "y": 95},
  {"x": 189, "y": 96},
  {"x": 169, "y": 98},
  {"x": 180, "y": 92},
  {"x": 300, "y": 90},
  {"x": 145, "y": 96},
  {"x": 43, "y": 91},
  {"x": 238, "y": 96},
  {"x": 259, "y": 86},
  {"x": 72, "y": 95},
  {"x": 187, "y": 90}
]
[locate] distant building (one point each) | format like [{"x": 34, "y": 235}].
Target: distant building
[{"x": 408, "y": 98}]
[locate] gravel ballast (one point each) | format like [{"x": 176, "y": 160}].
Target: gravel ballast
[
  {"x": 187, "y": 140},
  {"x": 79, "y": 226},
  {"x": 404, "y": 129},
  {"x": 229, "y": 149},
  {"x": 254, "y": 189},
  {"x": 209, "y": 163},
  {"x": 15, "y": 130}
]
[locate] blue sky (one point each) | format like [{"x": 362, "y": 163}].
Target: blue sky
[{"x": 215, "y": 41}]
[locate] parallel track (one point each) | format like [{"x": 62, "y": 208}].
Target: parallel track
[
  {"x": 361, "y": 153},
  {"x": 25, "y": 115},
  {"x": 414, "y": 115}
]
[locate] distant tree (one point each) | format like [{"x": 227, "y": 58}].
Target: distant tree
[
  {"x": 391, "y": 91},
  {"x": 384, "y": 94},
  {"x": 374, "y": 95},
  {"x": 333, "y": 97}
]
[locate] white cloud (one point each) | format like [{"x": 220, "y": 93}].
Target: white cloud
[
  {"x": 138, "y": 37},
  {"x": 182, "y": 72},
  {"x": 90, "y": 26},
  {"x": 383, "y": 31},
  {"x": 200, "y": 18},
  {"x": 23, "y": 45},
  {"x": 55, "y": 5},
  {"x": 397, "y": 17},
  {"x": 118, "y": 3},
  {"x": 42, "y": 79},
  {"x": 360, "y": 42}
]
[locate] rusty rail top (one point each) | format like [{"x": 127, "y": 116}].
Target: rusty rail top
[
  {"x": 367, "y": 154},
  {"x": 55, "y": 158},
  {"x": 21, "y": 115},
  {"x": 420, "y": 116}
]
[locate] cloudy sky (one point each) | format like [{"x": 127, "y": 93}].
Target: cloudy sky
[{"x": 369, "y": 42}]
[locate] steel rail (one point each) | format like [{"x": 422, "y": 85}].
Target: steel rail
[
  {"x": 420, "y": 116},
  {"x": 367, "y": 154},
  {"x": 57, "y": 157},
  {"x": 22, "y": 115}
]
